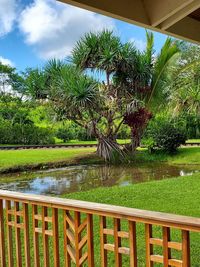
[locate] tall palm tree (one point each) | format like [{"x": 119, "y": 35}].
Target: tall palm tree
[
  {"x": 104, "y": 53},
  {"x": 145, "y": 79},
  {"x": 132, "y": 81},
  {"x": 184, "y": 91}
]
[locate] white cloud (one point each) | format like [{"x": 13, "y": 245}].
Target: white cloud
[
  {"x": 140, "y": 44},
  {"x": 6, "y": 61},
  {"x": 5, "y": 87},
  {"x": 53, "y": 28},
  {"x": 7, "y": 16}
]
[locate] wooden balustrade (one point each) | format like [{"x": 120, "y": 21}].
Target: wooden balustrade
[{"x": 47, "y": 231}]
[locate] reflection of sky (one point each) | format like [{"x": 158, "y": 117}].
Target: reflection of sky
[{"x": 81, "y": 178}]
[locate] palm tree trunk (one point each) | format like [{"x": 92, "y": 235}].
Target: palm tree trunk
[{"x": 107, "y": 146}]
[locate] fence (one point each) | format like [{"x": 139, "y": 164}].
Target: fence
[{"x": 47, "y": 231}]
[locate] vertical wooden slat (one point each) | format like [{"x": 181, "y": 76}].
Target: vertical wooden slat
[
  {"x": 55, "y": 237},
  {"x": 9, "y": 235},
  {"x": 66, "y": 240},
  {"x": 149, "y": 247},
  {"x": 103, "y": 240},
  {"x": 117, "y": 242},
  {"x": 133, "y": 244},
  {"x": 17, "y": 236},
  {"x": 166, "y": 249},
  {"x": 26, "y": 235},
  {"x": 186, "y": 248},
  {"x": 90, "y": 241},
  {"x": 77, "y": 236},
  {"x": 45, "y": 237},
  {"x": 35, "y": 237},
  {"x": 2, "y": 237}
]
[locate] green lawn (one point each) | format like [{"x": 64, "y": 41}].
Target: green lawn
[
  {"x": 193, "y": 141},
  {"x": 77, "y": 142},
  {"x": 179, "y": 196},
  {"x": 12, "y": 158},
  {"x": 120, "y": 141},
  {"x": 20, "y": 158},
  {"x": 184, "y": 155}
]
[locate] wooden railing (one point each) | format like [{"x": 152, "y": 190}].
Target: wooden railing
[{"x": 47, "y": 231}]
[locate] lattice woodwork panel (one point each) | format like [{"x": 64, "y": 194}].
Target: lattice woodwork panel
[
  {"x": 77, "y": 233},
  {"x": 166, "y": 259},
  {"x": 78, "y": 239},
  {"x": 117, "y": 247},
  {"x": 17, "y": 220},
  {"x": 47, "y": 229}
]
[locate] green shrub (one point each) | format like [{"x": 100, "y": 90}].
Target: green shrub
[
  {"x": 168, "y": 137},
  {"x": 124, "y": 132},
  {"x": 26, "y": 134},
  {"x": 65, "y": 134},
  {"x": 149, "y": 143},
  {"x": 82, "y": 134}
]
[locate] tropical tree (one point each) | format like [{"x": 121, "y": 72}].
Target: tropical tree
[
  {"x": 135, "y": 81},
  {"x": 133, "y": 85},
  {"x": 184, "y": 89}
]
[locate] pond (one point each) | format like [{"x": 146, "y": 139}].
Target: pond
[{"x": 84, "y": 177}]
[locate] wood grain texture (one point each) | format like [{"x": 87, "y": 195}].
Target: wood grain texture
[
  {"x": 9, "y": 235},
  {"x": 186, "y": 249},
  {"x": 149, "y": 247},
  {"x": 35, "y": 236},
  {"x": 117, "y": 243},
  {"x": 2, "y": 236},
  {"x": 166, "y": 249},
  {"x": 133, "y": 244},
  {"x": 103, "y": 240},
  {"x": 77, "y": 234}
]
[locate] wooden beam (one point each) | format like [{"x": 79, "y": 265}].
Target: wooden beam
[
  {"x": 131, "y": 11},
  {"x": 188, "y": 28},
  {"x": 180, "y": 15},
  {"x": 158, "y": 11},
  {"x": 150, "y": 14}
]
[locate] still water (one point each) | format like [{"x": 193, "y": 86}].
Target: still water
[{"x": 84, "y": 177}]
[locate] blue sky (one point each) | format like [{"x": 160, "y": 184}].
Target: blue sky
[{"x": 33, "y": 31}]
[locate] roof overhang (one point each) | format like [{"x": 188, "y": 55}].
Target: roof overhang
[{"x": 179, "y": 18}]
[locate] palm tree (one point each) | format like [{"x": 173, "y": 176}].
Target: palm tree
[
  {"x": 132, "y": 83},
  {"x": 184, "y": 91},
  {"x": 145, "y": 80},
  {"x": 135, "y": 81},
  {"x": 104, "y": 53}
]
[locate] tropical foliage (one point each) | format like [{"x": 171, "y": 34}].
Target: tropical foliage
[
  {"x": 133, "y": 84},
  {"x": 132, "y": 88}
]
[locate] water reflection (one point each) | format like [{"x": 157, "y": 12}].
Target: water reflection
[{"x": 81, "y": 178}]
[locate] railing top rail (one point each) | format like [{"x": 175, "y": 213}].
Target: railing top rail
[{"x": 144, "y": 216}]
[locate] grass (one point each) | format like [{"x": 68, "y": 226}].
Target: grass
[
  {"x": 14, "y": 158},
  {"x": 178, "y": 196},
  {"x": 184, "y": 155},
  {"x": 193, "y": 141},
  {"x": 94, "y": 142},
  {"x": 26, "y": 159}
]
